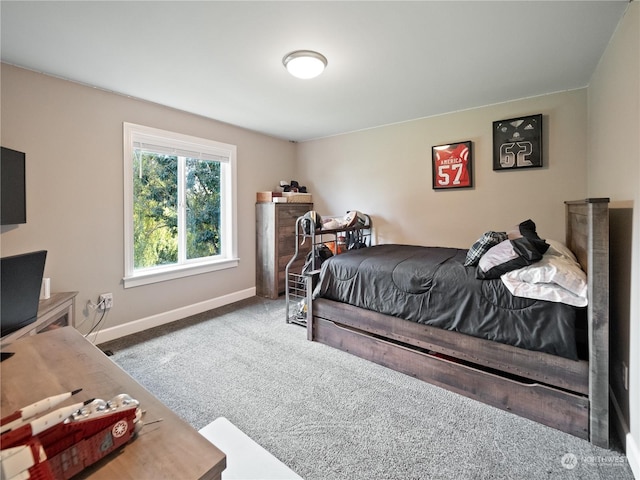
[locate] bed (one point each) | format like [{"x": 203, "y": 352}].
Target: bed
[{"x": 537, "y": 369}]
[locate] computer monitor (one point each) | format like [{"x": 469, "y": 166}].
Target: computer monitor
[{"x": 21, "y": 280}]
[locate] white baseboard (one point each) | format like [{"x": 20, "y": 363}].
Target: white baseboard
[
  {"x": 113, "y": 333},
  {"x": 633, "y": 455}
]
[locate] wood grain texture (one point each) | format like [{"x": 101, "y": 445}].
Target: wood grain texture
[
  {"x": 553, "y": 407},
  {"x": 540, "y": 367},
  {"x": 275, "y": 244},
  {"x": 588, "y": 238},
  {"x": 63, "y": 360}
]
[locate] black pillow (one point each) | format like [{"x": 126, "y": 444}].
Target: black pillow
[{"x": 527, "y": 229}]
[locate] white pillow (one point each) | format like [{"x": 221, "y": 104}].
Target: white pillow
[
  {"x": 559, "y": 248},
  {"x": 555, "y": 278}
]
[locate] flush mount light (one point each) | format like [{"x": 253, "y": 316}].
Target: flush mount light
[{"x": 304, "y": 63}]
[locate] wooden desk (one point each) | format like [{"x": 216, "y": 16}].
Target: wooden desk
[
  {"x": 59, "y": 308},
  {"x": 62, "y": 360}
]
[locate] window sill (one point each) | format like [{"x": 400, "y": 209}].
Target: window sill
[{"x": 174, "y": 272}]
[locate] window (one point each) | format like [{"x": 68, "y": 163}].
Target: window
[{"x": 180, "y": 205}]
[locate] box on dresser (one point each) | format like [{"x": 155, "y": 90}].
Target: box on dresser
[{"x": 268, "y": 196}]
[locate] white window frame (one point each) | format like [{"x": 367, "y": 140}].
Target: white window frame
[{"x": 177, "y": 142}]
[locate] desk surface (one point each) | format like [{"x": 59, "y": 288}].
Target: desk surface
[{"x": 63, "y": 360}]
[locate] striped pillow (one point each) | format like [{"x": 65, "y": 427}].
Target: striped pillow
[{"x": 482, "y": 246}]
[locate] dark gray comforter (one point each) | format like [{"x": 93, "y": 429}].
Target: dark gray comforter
[{"x": 431, "y": 285}]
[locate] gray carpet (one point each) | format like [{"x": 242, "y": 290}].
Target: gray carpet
[{"x": 329, "y": 415}]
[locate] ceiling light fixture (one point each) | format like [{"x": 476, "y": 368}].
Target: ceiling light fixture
[{"x": 304, "y": 63}]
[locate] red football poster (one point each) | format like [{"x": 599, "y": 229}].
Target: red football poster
[{"x": 452, "y": 166}]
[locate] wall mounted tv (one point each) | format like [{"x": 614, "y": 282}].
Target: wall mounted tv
[{"x": 13, "y": 195}]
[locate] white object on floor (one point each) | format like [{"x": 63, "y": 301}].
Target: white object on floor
[{"x": 246, "y": 460}]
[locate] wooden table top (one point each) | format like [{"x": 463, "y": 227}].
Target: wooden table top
[{"x": 63, "y": 360}]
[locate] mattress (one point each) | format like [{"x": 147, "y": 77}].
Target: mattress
[{"x": 431, "y": 285}]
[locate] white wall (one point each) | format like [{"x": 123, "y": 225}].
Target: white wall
[
  {"x": 72, "y": 135},
  {"x": 614, "y": 170},
  {"x": 386, "y": 172}
]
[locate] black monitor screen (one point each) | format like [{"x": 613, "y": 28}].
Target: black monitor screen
[
  {"x": 13, "y": 203},
  {"x": 20, "y": 290}
]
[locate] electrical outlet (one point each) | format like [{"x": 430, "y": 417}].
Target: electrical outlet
[{"x": 105, "y": 301}]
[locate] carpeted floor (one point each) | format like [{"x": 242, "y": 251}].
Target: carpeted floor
[{"x": 329, "y": 415}]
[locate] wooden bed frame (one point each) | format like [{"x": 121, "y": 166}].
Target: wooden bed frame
[{"x": 570, "y": 395}]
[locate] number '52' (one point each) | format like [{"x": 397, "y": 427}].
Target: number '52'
[{"x": 515, "y": 153}]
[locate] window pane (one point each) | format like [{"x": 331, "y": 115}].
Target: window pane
[
  {"x": 180, "y": 205},
  {"x": 202, "y": 196},
  {"x": 155, "y": 209}
]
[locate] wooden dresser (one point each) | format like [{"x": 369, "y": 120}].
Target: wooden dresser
[{"x": 275, "y": 244}]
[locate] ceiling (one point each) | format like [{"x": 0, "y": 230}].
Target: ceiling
[{"x": 389, "y": 61}]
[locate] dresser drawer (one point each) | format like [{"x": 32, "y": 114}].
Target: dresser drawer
[
  {"x": 288, "y": 214},
  {"x": 275, "y": 244}
]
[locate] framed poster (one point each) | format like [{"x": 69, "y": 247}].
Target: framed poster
[
  {"x": 517, "y": 143},
  {"x": 452, "y": 166}
]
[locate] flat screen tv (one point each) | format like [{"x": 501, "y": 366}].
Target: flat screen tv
[
  {"x": 13, "y": 198},
  {"x": 21, "y": 277}
]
